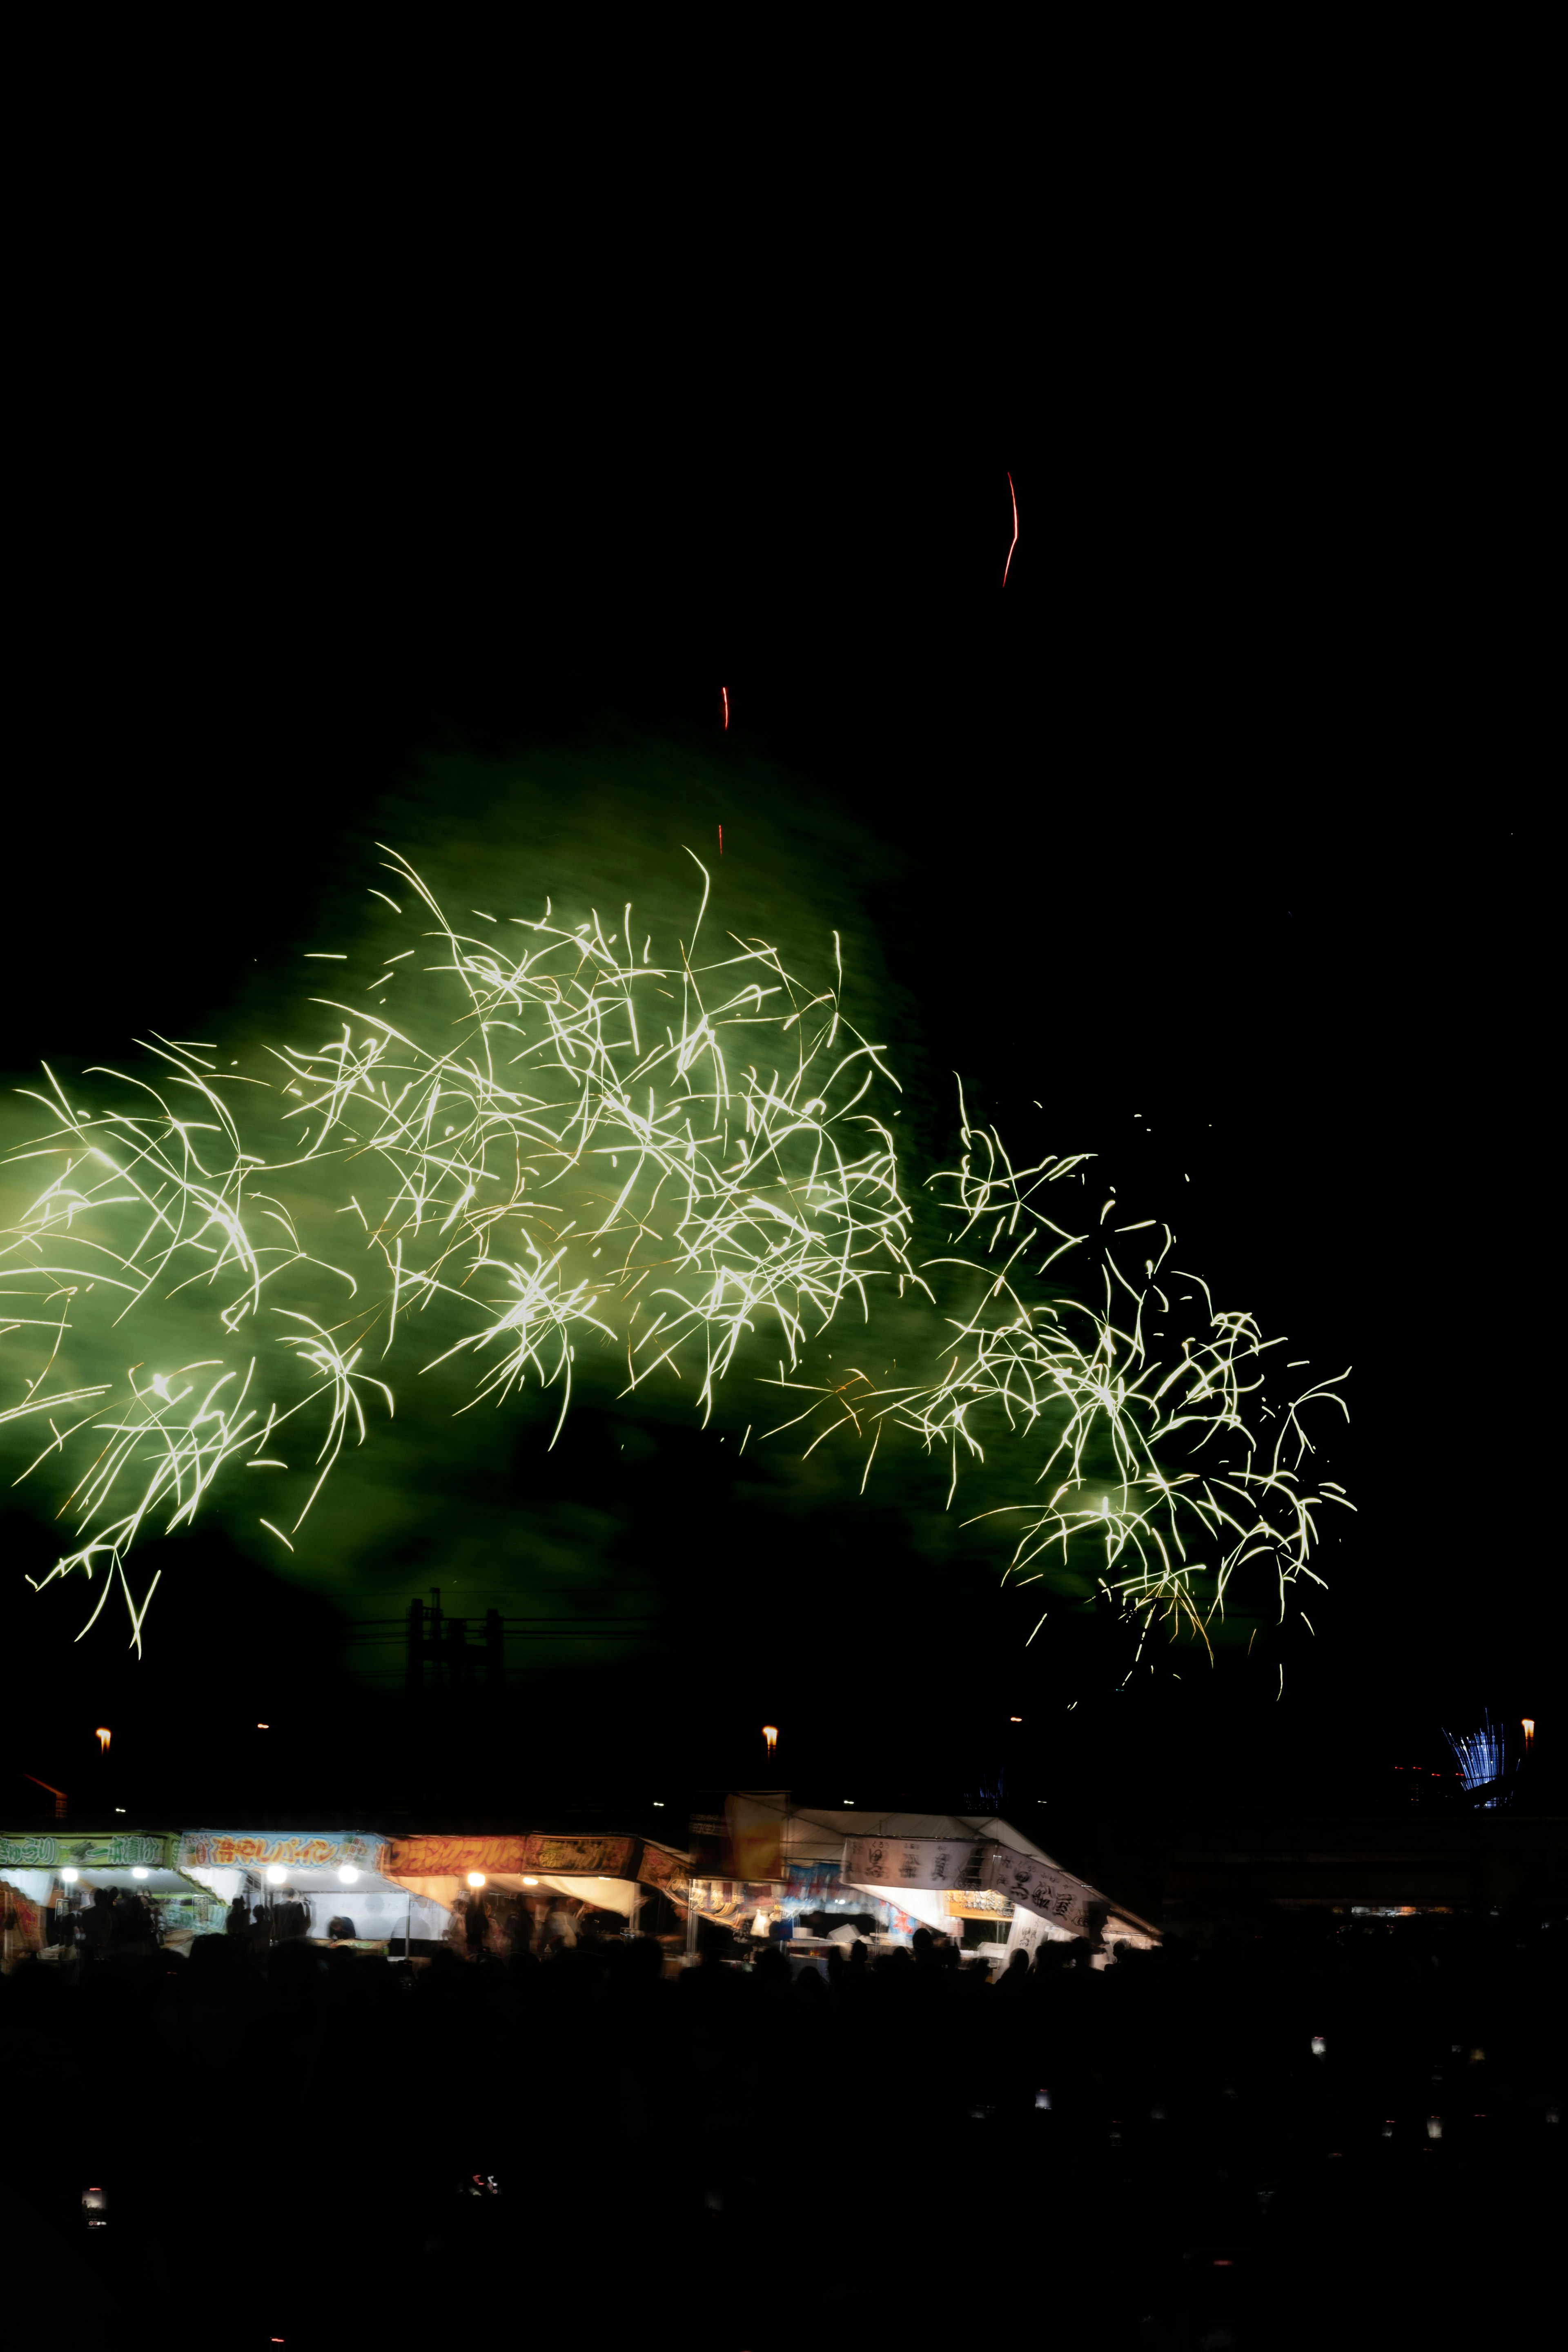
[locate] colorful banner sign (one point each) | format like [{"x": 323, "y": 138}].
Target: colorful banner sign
[
  {"x": 733, "y": 1836},
  {"x": 909, "y": 1861},
  {"x": 553, "y": 1857},
  {"x": 110, "y": 1850},
  {"x": 666, "y": 1872},
  {"x": 245, "y": 1850}
]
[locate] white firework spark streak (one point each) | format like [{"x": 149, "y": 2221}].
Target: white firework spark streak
[
  {"x": 1084, "y": 1379},
  {"x": 477, "y": 1169}
]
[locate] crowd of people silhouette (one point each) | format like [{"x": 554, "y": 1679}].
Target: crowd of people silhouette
[{"x": 1229, "y": 2140}]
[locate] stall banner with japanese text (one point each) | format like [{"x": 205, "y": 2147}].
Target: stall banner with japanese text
[
  {"x": 908, "y": 1862},
  {"x": 556, "y": 1857},
  {"x": 107, "y": 1849},
  {"x": 246, "y": 1849},
  {"x": 1032, "y": 1883},
  {"x": 1026, "y": 1880}
]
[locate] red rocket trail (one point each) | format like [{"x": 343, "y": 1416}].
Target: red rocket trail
[
  {"x": 1007, "y": 566},
  {"x": 725, "y": 692}
]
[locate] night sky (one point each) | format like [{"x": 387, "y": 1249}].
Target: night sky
[{"x": 1209, "y": 845}]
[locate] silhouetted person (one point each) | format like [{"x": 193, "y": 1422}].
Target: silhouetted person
[
  {"x": 771, "y": 1969},
  {"x": 98, "y": 1922},
  {"x": 238, "y": 1920},
  {"x": 132, "y": 1927},
  {"x": 715, "y": 1943},
  {"x": 291, "y": 1919},
  {"x": 341, "y": 1930}
]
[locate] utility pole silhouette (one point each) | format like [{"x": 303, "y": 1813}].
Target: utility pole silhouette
[{"x": 441, "y": 1683}]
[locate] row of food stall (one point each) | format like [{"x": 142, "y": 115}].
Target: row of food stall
[
  {"x": 65, "y": 1888},
  {"x": 757, "y": 1863}
]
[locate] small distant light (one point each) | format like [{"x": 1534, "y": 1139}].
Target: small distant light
[
  {"x": 139, "y": 1870},
  {"x": 1319, "y": 2045},
  {"x": 276, "y": 1874},
  {"x": 120, "y": 1808},
  {"x": 1434, "y": 2126},
  {"x": 1014, "y": 1718},
  {"x": 849, "y": 1801},
  {"x": 347, "y": 1873},
  {"x": 476, "y": 1878},
  {"x": 659, "y": 1802},
  {"x": 69, "y": 1875},
  {"x": 531, "y": 1882},
  {"x": 266, "y": 1727}
]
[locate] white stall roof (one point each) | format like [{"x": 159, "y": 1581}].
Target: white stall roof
[{"x": 813, "y": 1833}]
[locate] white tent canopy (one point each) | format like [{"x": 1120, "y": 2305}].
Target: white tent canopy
[
  {"x": 622, "y": 1895},
  {"x": 817, "y": 1834}
]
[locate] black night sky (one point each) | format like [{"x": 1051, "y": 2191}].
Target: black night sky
[{"x": 1211, "y": 844}]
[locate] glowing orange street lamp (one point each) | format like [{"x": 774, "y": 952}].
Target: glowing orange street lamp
[
  {"x": 770, "y": 1734},
  {"x": 1528, "y": 1723},
  {"x": 102, "y": 1740}
]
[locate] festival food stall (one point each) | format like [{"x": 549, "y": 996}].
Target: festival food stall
[
  {"x": 572, "y": 1878},
  {"x": 955, "y": 1873},
  {"x": 766, "y": 1869},
  {"x": 49, "y": 1880},
  {"x": 309, "y": 1883}
]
